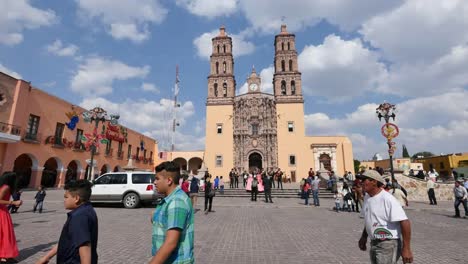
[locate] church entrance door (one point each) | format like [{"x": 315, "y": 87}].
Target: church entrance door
[
  {"x": 326, "y": 161},
  {"x": 255, "y": 161}
]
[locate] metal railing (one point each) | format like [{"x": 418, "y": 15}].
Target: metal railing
[
  {"x": 10, "y": 129},
  {"x": 32, "y": 137}
]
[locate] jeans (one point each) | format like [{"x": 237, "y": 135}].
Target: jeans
[
  {"x": 457, "y": 203},
  {"x": 268, "y": 196},
  {"x": 221, "y": 189},
  {"x": 385, "y": 252},
  {"x": 306, "y": 197},
  {"x": 253, "y": 194},
  {"x": 245, "y": 182},
  {"x": 236, "y": 182},
  {"x": 432, "y": 198},
  {"x": 315, "y": 194},
  {"x": 280, "y": 182},
  {"x": 208, "y": 200},
  {"x": 337, "y": 206},
  {"x": 38, "y": 204}
]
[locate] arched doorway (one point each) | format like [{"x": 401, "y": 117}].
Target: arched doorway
[
  {"x": 72, "y": 171},
  {"x": 104, "y": 169},
  {"x": 195, "y": 164},
  {"x": 49, "y": 174},
  {"x": 255, "y": 161},
  {"x": 326, "y": 161},
  {"x": 23, "y": 168},
  {"x": 181, "y": 162},
  {"x": 117, "y": 168}
]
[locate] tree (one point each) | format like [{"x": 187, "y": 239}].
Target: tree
[
  {"x": 357, "y": 163},
  {"x": 423, "y": 154},
  {"x": 405, "y": 152}
]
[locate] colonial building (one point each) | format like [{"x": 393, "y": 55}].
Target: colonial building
[
  {"x": 260, "y": 130},
  {"x": 41, "y": 139}
]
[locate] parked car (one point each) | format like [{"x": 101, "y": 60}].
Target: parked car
[{"x": 130, "y": 188}]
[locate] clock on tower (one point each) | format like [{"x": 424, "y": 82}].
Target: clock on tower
[{"x": 254, "y": 82}]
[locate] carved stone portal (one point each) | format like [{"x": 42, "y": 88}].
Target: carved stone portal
[{"x": 255, "y": 131}]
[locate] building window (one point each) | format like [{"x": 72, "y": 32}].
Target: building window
[
  {"x": 216, "y": 90},
  {"x": 217, "y": 67},
  {"x": 292, "y": 160},
  {"x": 283, "y": 66},
  {"x": 442, "y": 167},
  {"x": 290, "y": 65},
  {"x": 129, "y": 152},
  {"x": 79, "y": 135},
  {"x": 33, "y": 126},
  {"x": 138, "y": 153},
  {"x": 289, "y": 46},
  {"x": 151, "y": 156},
  {"x": 219, "y": 128},
  {"x": 282, "y": 45},
  {"x": 290, "y": 127},
  {"x": 225, "y": 89},
  {"x": 254, "y": 129},
  {"x": 144, "y": 154},
  {"x": 108, "y": 147},
  {"x": 59, "y": 133},
  {"x": 283, "y": 87},
  {"x": 293, "y": 87},
  {"x": 224, "y": 67},
  {"x": 219, "y": 161},
  {"x": 218, "y": 48},
  {"x": 224, "y": 48}
]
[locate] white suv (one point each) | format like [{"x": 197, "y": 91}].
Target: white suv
[{"x": 129, "y": 187}]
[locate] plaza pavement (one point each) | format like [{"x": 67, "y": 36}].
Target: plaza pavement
[{"x": 241, "y": 231}]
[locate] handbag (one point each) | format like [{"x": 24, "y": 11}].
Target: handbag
[{"x": 212, "y": 193}]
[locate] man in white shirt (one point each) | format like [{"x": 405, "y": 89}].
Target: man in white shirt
[
  {"x": 461, "y": 196},
  {"x": 386, "y": 223},
  {"x": 430, "y": 192}
]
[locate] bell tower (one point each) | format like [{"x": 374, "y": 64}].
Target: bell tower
[
  {"x": 253, "y": 82},
  {"x": 287, "y": 85},
  {"x": 221, "y": 81}
]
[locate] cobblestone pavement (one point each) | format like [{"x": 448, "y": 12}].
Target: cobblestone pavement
[{"x": 241, "y": 231}]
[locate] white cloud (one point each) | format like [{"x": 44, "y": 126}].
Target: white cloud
[
  {"x": 96, "y": 75},
  {"x": 240, "y": 46},
  {"x": 436, "y": 123},
  {"x": 59, "y": 49},
  {"x": 124, "y": 19},
  {"x": 10, "y": 72},
  {"x": 265, "y": 15},
  {"x": 149, "y": 87},
  {"x": 153, "y": 118},
  {"x": 19, "y": 15},
  {"x": 266, "y": 86},
  {"x": 209, "y": 8},
  {"x": 339, "y": 69}
]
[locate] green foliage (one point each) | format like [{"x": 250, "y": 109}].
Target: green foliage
[
  {"x": 357, "y": 164},
  {"x": 423, "y": 154},
  {"x": 405, "y": 152}
]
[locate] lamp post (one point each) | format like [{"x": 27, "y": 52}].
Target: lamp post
[
  {"x": 388, "y": 130},
  {"x": 95, "y": 116}
]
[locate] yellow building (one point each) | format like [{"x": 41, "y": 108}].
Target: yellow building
[
  {"x": 444, "y": 164},
  {"x": 260, "y": 130}
]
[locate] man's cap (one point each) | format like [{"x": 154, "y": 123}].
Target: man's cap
[{"x": 374, "y": 175}]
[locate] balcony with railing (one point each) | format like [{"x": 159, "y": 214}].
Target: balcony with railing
[{"x": 9, "y": 133}]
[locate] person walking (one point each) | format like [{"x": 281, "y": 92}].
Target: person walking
[
  {"x": 315, "y": 190},
  {"x": 16, "y": 196},
  {"x": 221, "y": 185},
  {"x": 194, "y": 188},
  {"x": 231, "y": 179},
  {"x": 279, "y": 175},
  {"x": 430, "y": 192},
  {"x": 245, "y": 175},
  {"x": 209, "y": 193},
  {"x": 8, "y": 247},
  {"x": 173, "y": 221},
  {"x": 337, "y": 196},
  {"x": 40, "y": 196},
  {"x": 216, "y": 183},
  {"x": 236, "y": 179},
  {"x": 272, "y": 178},
  {"x": 386, "y": 223},
  {"x": 358, "y": 194},
  {"x": 306, "y": 192},
  {"x": 79, "y": 238},
  {"x": 267, "y": 188},
  {"x": 254, "y": 191},
  {"x": 461, "y": 197}
]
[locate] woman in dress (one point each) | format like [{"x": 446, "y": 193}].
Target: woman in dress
[{"x": 8, "y": 247}]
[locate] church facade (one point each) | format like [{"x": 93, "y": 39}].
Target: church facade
[{"x": 260, "y": 130}]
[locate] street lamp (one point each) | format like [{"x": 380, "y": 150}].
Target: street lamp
[
  {"x": 388, "y": 130},
  {"x": 96, "y": 115}
]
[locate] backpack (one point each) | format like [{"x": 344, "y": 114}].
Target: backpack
[{"x": 254, "y": 183}]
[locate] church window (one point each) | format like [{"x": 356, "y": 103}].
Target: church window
[
  {"x": 283, "y": 87},
  {"x": 219, "y": 128},
  {"x": 292, "y": 160},
  {"x": 225, "y": 89},
  {"x": 283, "y": 66},
  {"x": 290, "y": 65},
  {"x": 224, "y": 48},
  {"x": 224, "y": 67},
  {"x": 216, "y": 90},
  {"x": 290, "y": 126},
  {"x": 217, "y": 67},
  {"x": 282, "y": 45},
  {"x": 219, "y": 161},
  {"x": 289, "y": 46},
  {"x": 218, "y": 48},
  {"x": 254, "y": 129},
  {"x": 293, "y": 87}
]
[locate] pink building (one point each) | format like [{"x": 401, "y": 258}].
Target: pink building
[{"x": 37, "y": 143}]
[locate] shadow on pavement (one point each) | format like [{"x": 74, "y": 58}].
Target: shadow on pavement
[{"x": 28, "y": 252}]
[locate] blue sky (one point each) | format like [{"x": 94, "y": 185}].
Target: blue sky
[{"x": 353, "y": 55}]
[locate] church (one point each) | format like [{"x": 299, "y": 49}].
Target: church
[{"x": 260, "y": 130}]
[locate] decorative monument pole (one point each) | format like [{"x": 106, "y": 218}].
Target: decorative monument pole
[
  {"x": 388, "y": 130},
  {"x": 96, "y": 115},
  {"x": 174, "y": 113}
]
